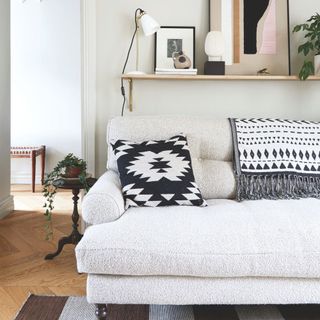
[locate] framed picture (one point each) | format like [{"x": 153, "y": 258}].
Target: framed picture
[
  {"x": 169, "y": 40},
  {"x": 257, "y": 34}
]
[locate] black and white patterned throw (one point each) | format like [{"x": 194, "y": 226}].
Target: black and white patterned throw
[
  {"x": 276, "y": 159},
  {"x": 157, "y": 173}
]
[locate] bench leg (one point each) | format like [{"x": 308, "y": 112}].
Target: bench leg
[
  {"x": 33, "y": 160},
  {"x": 43, "y": 163},
  {"x": 101, "y": 311}
]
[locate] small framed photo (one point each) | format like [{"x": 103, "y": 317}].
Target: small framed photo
[{"x": 174, "y": 39}]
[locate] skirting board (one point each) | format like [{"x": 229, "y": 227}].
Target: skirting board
[{"x": 6, "y": 206}]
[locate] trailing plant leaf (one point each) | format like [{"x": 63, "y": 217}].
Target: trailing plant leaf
[{"x": 49, "y": 190}]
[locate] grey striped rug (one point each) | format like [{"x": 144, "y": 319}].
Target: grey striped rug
[{"x": 76, "y": 308}]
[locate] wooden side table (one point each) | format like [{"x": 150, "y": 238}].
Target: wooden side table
[
  {"x": 31, "y": 153},
  {"x": 75, "y": 186}
]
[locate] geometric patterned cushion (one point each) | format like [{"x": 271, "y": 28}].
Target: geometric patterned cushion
[{"x": 157, "y": 173}]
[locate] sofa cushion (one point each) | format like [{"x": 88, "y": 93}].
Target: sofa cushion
[
  {"x": 157, "y": 173},
  {"x": 209, "y": 139},
  {"x": 266, "y": 238}
]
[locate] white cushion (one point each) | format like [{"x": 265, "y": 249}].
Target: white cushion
[
  {"x": 226, "y": 239},
  {"x": 209, "y": 139}
]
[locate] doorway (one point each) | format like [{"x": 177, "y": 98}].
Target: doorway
[{"x": 46, "y": 105}]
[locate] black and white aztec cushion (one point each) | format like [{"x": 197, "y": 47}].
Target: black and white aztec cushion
[{"x": 157, "y": 173}]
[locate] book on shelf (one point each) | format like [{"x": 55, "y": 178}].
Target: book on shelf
[{"x": 188, "y": 72}]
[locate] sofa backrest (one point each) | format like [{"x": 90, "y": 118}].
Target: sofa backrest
[{"x": 210, "y": 143}]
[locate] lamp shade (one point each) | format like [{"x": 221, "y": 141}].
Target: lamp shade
[
  {"x": 215, "y": 45},
  {"x": 149, "y": 25}
]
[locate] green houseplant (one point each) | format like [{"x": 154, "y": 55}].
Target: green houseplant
[
  {"x": 70, "y": 167},
  {"x": 312, "y": 35}
]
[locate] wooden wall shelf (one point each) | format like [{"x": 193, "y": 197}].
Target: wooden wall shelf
[
  {"x": 133, "y": 77},
  {"x": 212, "y": 78}
]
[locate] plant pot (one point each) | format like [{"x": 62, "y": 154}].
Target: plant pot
[
  {"x": 317, "y": 65},
  {"x": 72, "y": 172}
]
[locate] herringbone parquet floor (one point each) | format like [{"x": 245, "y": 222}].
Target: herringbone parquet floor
[{"x": 23, "y": 269}]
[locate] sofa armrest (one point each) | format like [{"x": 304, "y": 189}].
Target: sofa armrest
[{"x": 104, "y": 202}]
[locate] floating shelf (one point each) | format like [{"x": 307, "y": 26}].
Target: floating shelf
[
  {"x": 212, "y": 78},
  {"x": 133, "y": 77}
]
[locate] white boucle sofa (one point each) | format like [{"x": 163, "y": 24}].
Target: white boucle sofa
[{"x": 254, "y": 252}]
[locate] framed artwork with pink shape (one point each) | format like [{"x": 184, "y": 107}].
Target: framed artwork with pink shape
[{"x": 257, "y": 35}]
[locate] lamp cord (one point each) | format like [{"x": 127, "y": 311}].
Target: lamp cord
[{"x": 123, "y": 90}]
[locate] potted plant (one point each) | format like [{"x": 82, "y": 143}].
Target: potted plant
[
  {"x": 70, "y": 167},
  {"x": 312, "y": 30}
]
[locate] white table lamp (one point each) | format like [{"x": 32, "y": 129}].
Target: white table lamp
[
  {"x": 215, "y": 46},
  {"x": 215, "y": 49}
]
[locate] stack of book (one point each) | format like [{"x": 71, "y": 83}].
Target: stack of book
[{"x": 186, "y": 72}]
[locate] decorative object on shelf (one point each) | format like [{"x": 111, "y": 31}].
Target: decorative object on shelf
[
  {"x": 181, "y": 60},
  {"x": 215, "y": 50},
  {"x": 223, "y": 18},
  {"x": 214, "y": 68},
  {"x": 70, "y": 167},
  {"x": 259, "y": 36},
  {"x": 75, "y": 185},
  {"x": 263, "y": 72},
  {"x": 183, "y": 72},
  {"x": 149, "y": 27},
  {"x": 253, "y": 13},
  {"x": 312, "y": 45},
  {"x": 169, "y": 40}
]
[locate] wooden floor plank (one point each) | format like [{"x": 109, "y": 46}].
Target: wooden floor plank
[
  {"x": 68, "y": 291},
  {"x": 23, "y": 270}
]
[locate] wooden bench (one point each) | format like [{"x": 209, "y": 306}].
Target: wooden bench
[{"x": 31, "y": 153}]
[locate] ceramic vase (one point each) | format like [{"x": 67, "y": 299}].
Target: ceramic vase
[{"x": 72, "y": 172}]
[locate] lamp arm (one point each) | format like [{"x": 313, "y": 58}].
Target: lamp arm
[{"x": 123, "y": 91}]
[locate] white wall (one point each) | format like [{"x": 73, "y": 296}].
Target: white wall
[
  {"x": 248, "y": 99},
  {"x": 6, "y": 201},
  {"x": 46, "y": 80}
]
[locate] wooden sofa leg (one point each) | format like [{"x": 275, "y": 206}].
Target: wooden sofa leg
[{"x": 101, "y": 311}]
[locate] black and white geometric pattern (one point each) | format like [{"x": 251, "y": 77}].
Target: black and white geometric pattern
[
  {"x": 281, "y": 149},
  {"x": 272, "y": 145},
  {"x": 157, "y": 173}
]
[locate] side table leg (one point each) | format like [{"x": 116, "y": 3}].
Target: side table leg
[
  {"x": 62, "y": 242},
  {"x": 33, "y": 161},
  {"x": 75, "y": 236}
]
